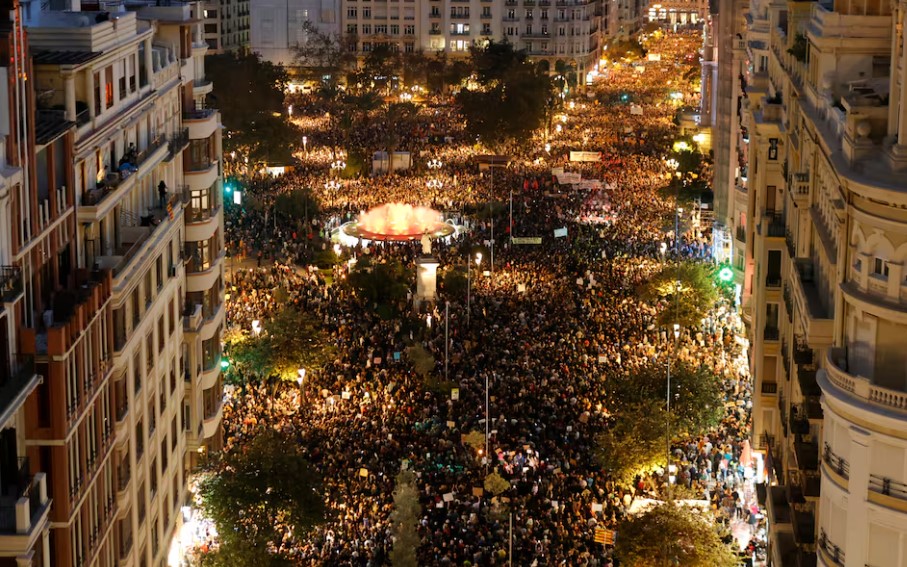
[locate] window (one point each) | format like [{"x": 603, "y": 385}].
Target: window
[
  {"x": 366, "y": 29},
  {"x": 149, "y": 351},
  {"x": 351, "y": 28},
  {"x": 880, "y": 267},
  {"x": 395, "y": 29},
  {"x": 435, "y": 11},
  {"x": 366, "y": 46},
  {"x": 544, "y": 14},
  {"x": 381, "y": 29},
  {"x": 139, "y": 440},
  {"x": 366, "y": 12},
  {"x": 528, "y": 14},
  {"x": 409, "y": 47},
  {"x": 351, "y": 12},
  {"x": 486, "y": 12},
  {"x": 409, "y": 29}
]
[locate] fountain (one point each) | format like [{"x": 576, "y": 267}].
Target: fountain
[{"x": 398, "y": 222}]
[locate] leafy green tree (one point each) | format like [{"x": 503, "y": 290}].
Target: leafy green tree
[
  {"x": 256, "y": 493},
  {"x": 328, "y": 54},
  {"x": 298, "y": 204},
  {"x": 671, "y": 535},
  {"x": 496, "y": 484},
  {"x": 696, "y": 402},
  {"x": 238, "y": 553},
  {"x": 683, "y": 292},
  {"x": 454, "y": 282},
  {"x": 405, "y": 521},
  {"x": 249, "y": 92},
  {"x": 634, "y": 442},
  {"x": 383, "y": 283},
  {"x": 510, "y": 101},
  {"x": 293, "y": 339}
]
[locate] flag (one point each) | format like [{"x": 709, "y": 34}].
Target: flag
[{"x": 604, "y": 536}]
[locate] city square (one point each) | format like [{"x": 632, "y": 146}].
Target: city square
[{"x": 453, "y": 283}]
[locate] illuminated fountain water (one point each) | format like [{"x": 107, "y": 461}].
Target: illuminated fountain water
[{"x": 398, "y": 222}]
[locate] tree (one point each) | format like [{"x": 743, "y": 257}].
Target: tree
[
  {"x": 671, "y": 535},
  {"x": 249, "y": 92},
  {"x": 423, "y": 362},
  {"x": 510, "y": 101},
  {"x": 257, "y": 493},
  {"x": 298, "y": 204},
  {"x": 696, "y": 402},
  {"x": 330, "y": 54},
  {"x": 684, "y": 292},
  {"x": 405, "y": 521},
  {"x": 292, "y": 340},
  {"x": 496, "y": 484},
  {"x": 383, "y": 283},
  {"x": 454, "y": 282},
  {"x": 635, "y": 441}
]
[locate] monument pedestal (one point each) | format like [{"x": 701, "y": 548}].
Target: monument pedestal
[{"x": 426, "y": 280}]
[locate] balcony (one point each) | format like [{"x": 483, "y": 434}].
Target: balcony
[
  {"x": 178, "y": 142},
  {"x": 835, "y": 467},
  {"x": 791, "y": 245},
  {"x": 133, "y": 238},
  {"x": 201, "y": 87},
  {"x": 192, "y": 318},
  {"x": 831, "y": 553},
  {"x": 771, "y": 334},
  {"x": 835, "y": 376},
  {"x": 95, "y": 203},
  {"x": 211, "y": 421},
  {"x": 202, "y": 123},
  {"x": 806, "y": 451},
  {"x": 788, "y": 302},
  {"x": 887, "y": 492},
  {"x": 800, "y": 187},
  {"x": 769, "y": 388},
  {"x": 778, "y": 509},
  {"x": 24, "y": 505},
  {"x": 817, "y": 323},
  {"x": 806, "y": 378},
  {"x": 201, "y": 175},
  {"x": 740, "y": 233},
  {"x": 772, "y": 225},
  {"x": 10, "y": 283},
  {"x": 17, "y": 381}
]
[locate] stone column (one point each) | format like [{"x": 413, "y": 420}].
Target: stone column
[
  {"x": 69, "y": 83},
  {"x": 426, "y": 280},
  {"x": 902, "y": 113},
  {"x": 90, "y": 83}
]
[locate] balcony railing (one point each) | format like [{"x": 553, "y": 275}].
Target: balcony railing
[
  {"x": 788, "y": 303},
  {"x": 14, "y": 378},
  {"x": 741, "y": 234},
  {"x": 771, "y": 334},
  {"x": 22, "y": 485},
  {"x": 887, "y": 487},
  {"x": 10, "y": 282},
  {"x": 835, "y": 553},
  {"x": 177, "y": 143},
  {"x": 835, "y": 462},
  {"x": 773, "y": 281},
  {"x": 774, "y": 224},
  {"x": 198, "y": 113},
  {"x": 791, "y": 245}
]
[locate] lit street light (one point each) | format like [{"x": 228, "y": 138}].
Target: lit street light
[{"x": 468, "y": 285}]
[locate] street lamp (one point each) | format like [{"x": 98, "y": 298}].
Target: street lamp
[
  {"x": 434, "y": 163},
  {"x": 332, "y": 186},
  {"x": 305, "y": 142},
  {"x": 668, "y": 418},
  {"x": 337, "y": 166},
  {"x": 468, "y": 285}
]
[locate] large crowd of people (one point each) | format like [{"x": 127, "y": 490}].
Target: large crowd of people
[{"x": 545, "y": 325}]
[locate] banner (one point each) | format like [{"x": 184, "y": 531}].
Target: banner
[
  {"x": 560, "y": 232},
  {"x": 526, "y": 240},
  {"x": 569, "y": 178},
  {"x": 585, "y": 156}
]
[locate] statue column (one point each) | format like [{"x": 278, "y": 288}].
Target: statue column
[{"x": 426, "y": 280}]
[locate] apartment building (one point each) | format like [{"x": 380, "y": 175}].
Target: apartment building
[
  {"x": 278, "y": 26},
  {"x": 226, "y": 24},
  {"x": 37, "y": 228},
  {"x": 825, "y": 289},
  {"x": 123, "y": 321},
  {"x": 678, "y": 12}
]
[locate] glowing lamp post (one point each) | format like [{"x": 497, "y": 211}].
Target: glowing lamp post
[{"x": 468, "y": 285}]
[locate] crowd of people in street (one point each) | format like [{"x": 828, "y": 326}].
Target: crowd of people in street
[{"x": 544, "y": 327}]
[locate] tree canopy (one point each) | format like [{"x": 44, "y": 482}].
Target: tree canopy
[
  {"x": 510, "y": 100},
  {"x": 256, "y": 494},
  {"x": 671, "y": 535},
  {"x": 684, "y": 293},
  {"x": 405, "y": 521},
  {"x": 293, "y": 339},
  {"x": 381, "y": 282},
  {"x": 249, "y": 92}
]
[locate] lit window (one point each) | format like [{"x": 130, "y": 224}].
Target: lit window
[{"x": 880, "y": 267}]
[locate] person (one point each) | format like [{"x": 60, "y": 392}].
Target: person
[{"x": 162, "y": 193}]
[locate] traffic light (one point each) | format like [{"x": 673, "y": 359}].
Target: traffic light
[{"x": 725, "y": 275}]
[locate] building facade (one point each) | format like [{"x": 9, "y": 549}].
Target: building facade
[
  {"x": 825, "y": 290},
  {"x": 563, "y": 34},
  {"x": 37, "y": 228},
  {"x": 226, "y": 25},
  {"x": 123, "y": 320}
]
